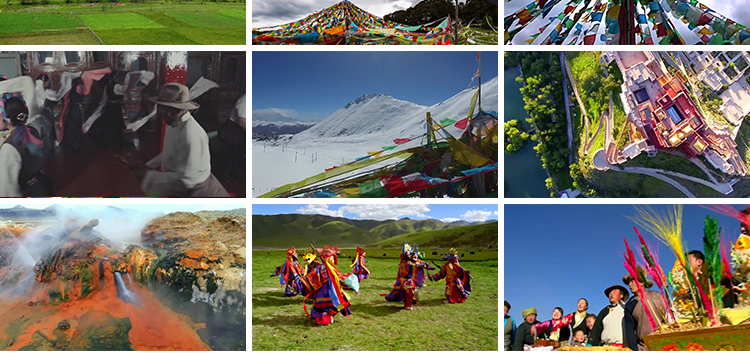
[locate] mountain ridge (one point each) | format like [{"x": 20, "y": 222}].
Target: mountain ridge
[{"x": 284, "y": 230}]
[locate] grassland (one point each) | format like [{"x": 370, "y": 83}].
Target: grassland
[
  {"x": 485, "y": 235},
  {"x": 280, "y": 323},
  {"x": 142, "y": 23},
  {"x": 667, "y": 161},
  {"x": 282, "y": 231}
]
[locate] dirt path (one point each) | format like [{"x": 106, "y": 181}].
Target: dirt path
[{"x": 564, "y": 62}]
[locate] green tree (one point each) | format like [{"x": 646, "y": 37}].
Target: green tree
[{"x": 549, "y": 183}]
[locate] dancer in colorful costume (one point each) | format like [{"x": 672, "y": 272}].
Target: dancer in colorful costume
[
  {"x": 359, "y": 266},
  {"x": 328, "y": 285},
  {"x": 410, "y": 277},
  {"x": 457, "y": 279},
  {"x": 289, "y": 272},
  {"x": 310, "y": 258}
]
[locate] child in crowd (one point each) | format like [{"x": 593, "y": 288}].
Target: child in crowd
[{"x": 579, "y": 338}]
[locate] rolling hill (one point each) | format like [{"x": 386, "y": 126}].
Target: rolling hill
[
  {"x": 475, "y": 236},
  {"x": 284, "y": 230}
]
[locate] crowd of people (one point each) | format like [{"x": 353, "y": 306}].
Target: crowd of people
[
  {"x": 28, "y": 134},
  {"x": 623, "y": 323},
  {"x": 321, "y": 280}
]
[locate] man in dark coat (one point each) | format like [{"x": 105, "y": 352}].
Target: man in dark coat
[
  {"x": 636, "y": 324},
  {"x": 608, "y": 327},
  {"x": 523, "y": 332}
]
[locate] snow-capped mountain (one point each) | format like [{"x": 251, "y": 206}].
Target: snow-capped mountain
[
  {"x": 269, "y": 129},
  {"x": 366, "y": 124},
  {"x": 377, "y": 119}
]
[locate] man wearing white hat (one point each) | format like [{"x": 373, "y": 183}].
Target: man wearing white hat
[{"x": 185, "y": 161}]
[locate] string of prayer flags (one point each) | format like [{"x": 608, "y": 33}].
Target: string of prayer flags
[
  {"x": 578, "y": 22},
  {"x": 345, "y": 23}
]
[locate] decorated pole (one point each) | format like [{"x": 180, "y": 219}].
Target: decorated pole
[{"x": 455, "y": 26}]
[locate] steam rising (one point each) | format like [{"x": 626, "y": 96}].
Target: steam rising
[{"x": 121, "y": 226}]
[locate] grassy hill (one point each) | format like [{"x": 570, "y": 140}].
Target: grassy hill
[
  {"x": 285, "y": 230},
  {"x": 476, "y": 236},
  {"x": 393, "y": 228}
]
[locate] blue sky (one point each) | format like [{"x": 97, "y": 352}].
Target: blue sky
[
  {"x": 556, "y": 254},
  {"x": 445, "y": 212},
  {"x": 313, "y": 85}
]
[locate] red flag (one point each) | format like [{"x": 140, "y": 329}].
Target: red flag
[
  {"x": 589, "y": 40},
  {"x": 462, "y": 123},
  {"x": 704, "y": 19},
  {"x": 649, "y": 41},
  {"x": 400, "y": 141}
]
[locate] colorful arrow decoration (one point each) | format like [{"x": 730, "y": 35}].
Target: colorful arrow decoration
[{"x": 643, "y": 22}]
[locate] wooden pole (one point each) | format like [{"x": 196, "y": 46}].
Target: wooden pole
[{"x": 455, "y": 26}]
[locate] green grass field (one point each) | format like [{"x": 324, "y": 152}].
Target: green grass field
[
  {"x": 118, "y": 21},
  {"x": 149, "y": 23},
  {"x": 485, "y": 235},
  {"x": 280, "y": 323}
]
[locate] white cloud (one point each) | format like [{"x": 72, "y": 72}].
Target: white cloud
[
  {"x": 478, "y": 215},
  {"x": 320, "y": 209},
  {"x": 450, "y": 220},
  {"x": 384, "y": 212}
]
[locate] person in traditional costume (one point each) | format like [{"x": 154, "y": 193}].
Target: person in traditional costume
[
  {"x": 524, "y": 338},
  {"x": 46, "y": 122},
  {"x": 684, "y": 306},
  {"x": 310, "y": 260},
  {"x": 21, "y": 154},
  {"x": 509, "y": 328},
  {"x": 636, "y": 323},
  {"x": 359, "y": 266},
  {"x": 409, "y": 278},
  {"x": 457, "y": 279},
  {"x": 289, "y": 272},
  {"x": 608, "y": 327},
  {"x": 73, "y": 136},
  {"x": 579, "y": 317},
  {"x": 555, "y": 330},
  {"x": 185, "y": 162},
  {"x": 228, "y": 148},
  {"x": 329, "y": 284}
]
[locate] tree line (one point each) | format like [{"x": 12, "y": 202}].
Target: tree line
[
  {"x": 427, "y": 11},
  {"x": 544, "y": 102}
]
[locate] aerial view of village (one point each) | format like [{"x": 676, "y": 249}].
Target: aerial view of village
[{"x": 627, "y": 124}]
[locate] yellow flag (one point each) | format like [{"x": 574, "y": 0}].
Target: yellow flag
[
  {"x": 466, "y": 155},
  {"x": 375, "y": 154},
  {"x": 470, "y": 114},
  {"x": 350, "y": 191}
]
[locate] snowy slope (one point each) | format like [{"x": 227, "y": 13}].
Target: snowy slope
[
  {"x": 380, "y": 118},
  {"x": 364, "y": 125}
]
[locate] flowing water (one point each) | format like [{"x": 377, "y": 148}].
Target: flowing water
[
  {"x": 122, "y": 290},
  {"x": 524, "y": 175}
]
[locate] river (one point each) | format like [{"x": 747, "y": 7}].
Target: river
[{"x": 524, "y": 175}]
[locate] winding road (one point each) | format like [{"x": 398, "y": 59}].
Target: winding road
[
  {"x": 601, "y": 163},
  {"x": 563, "y": 64}
]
